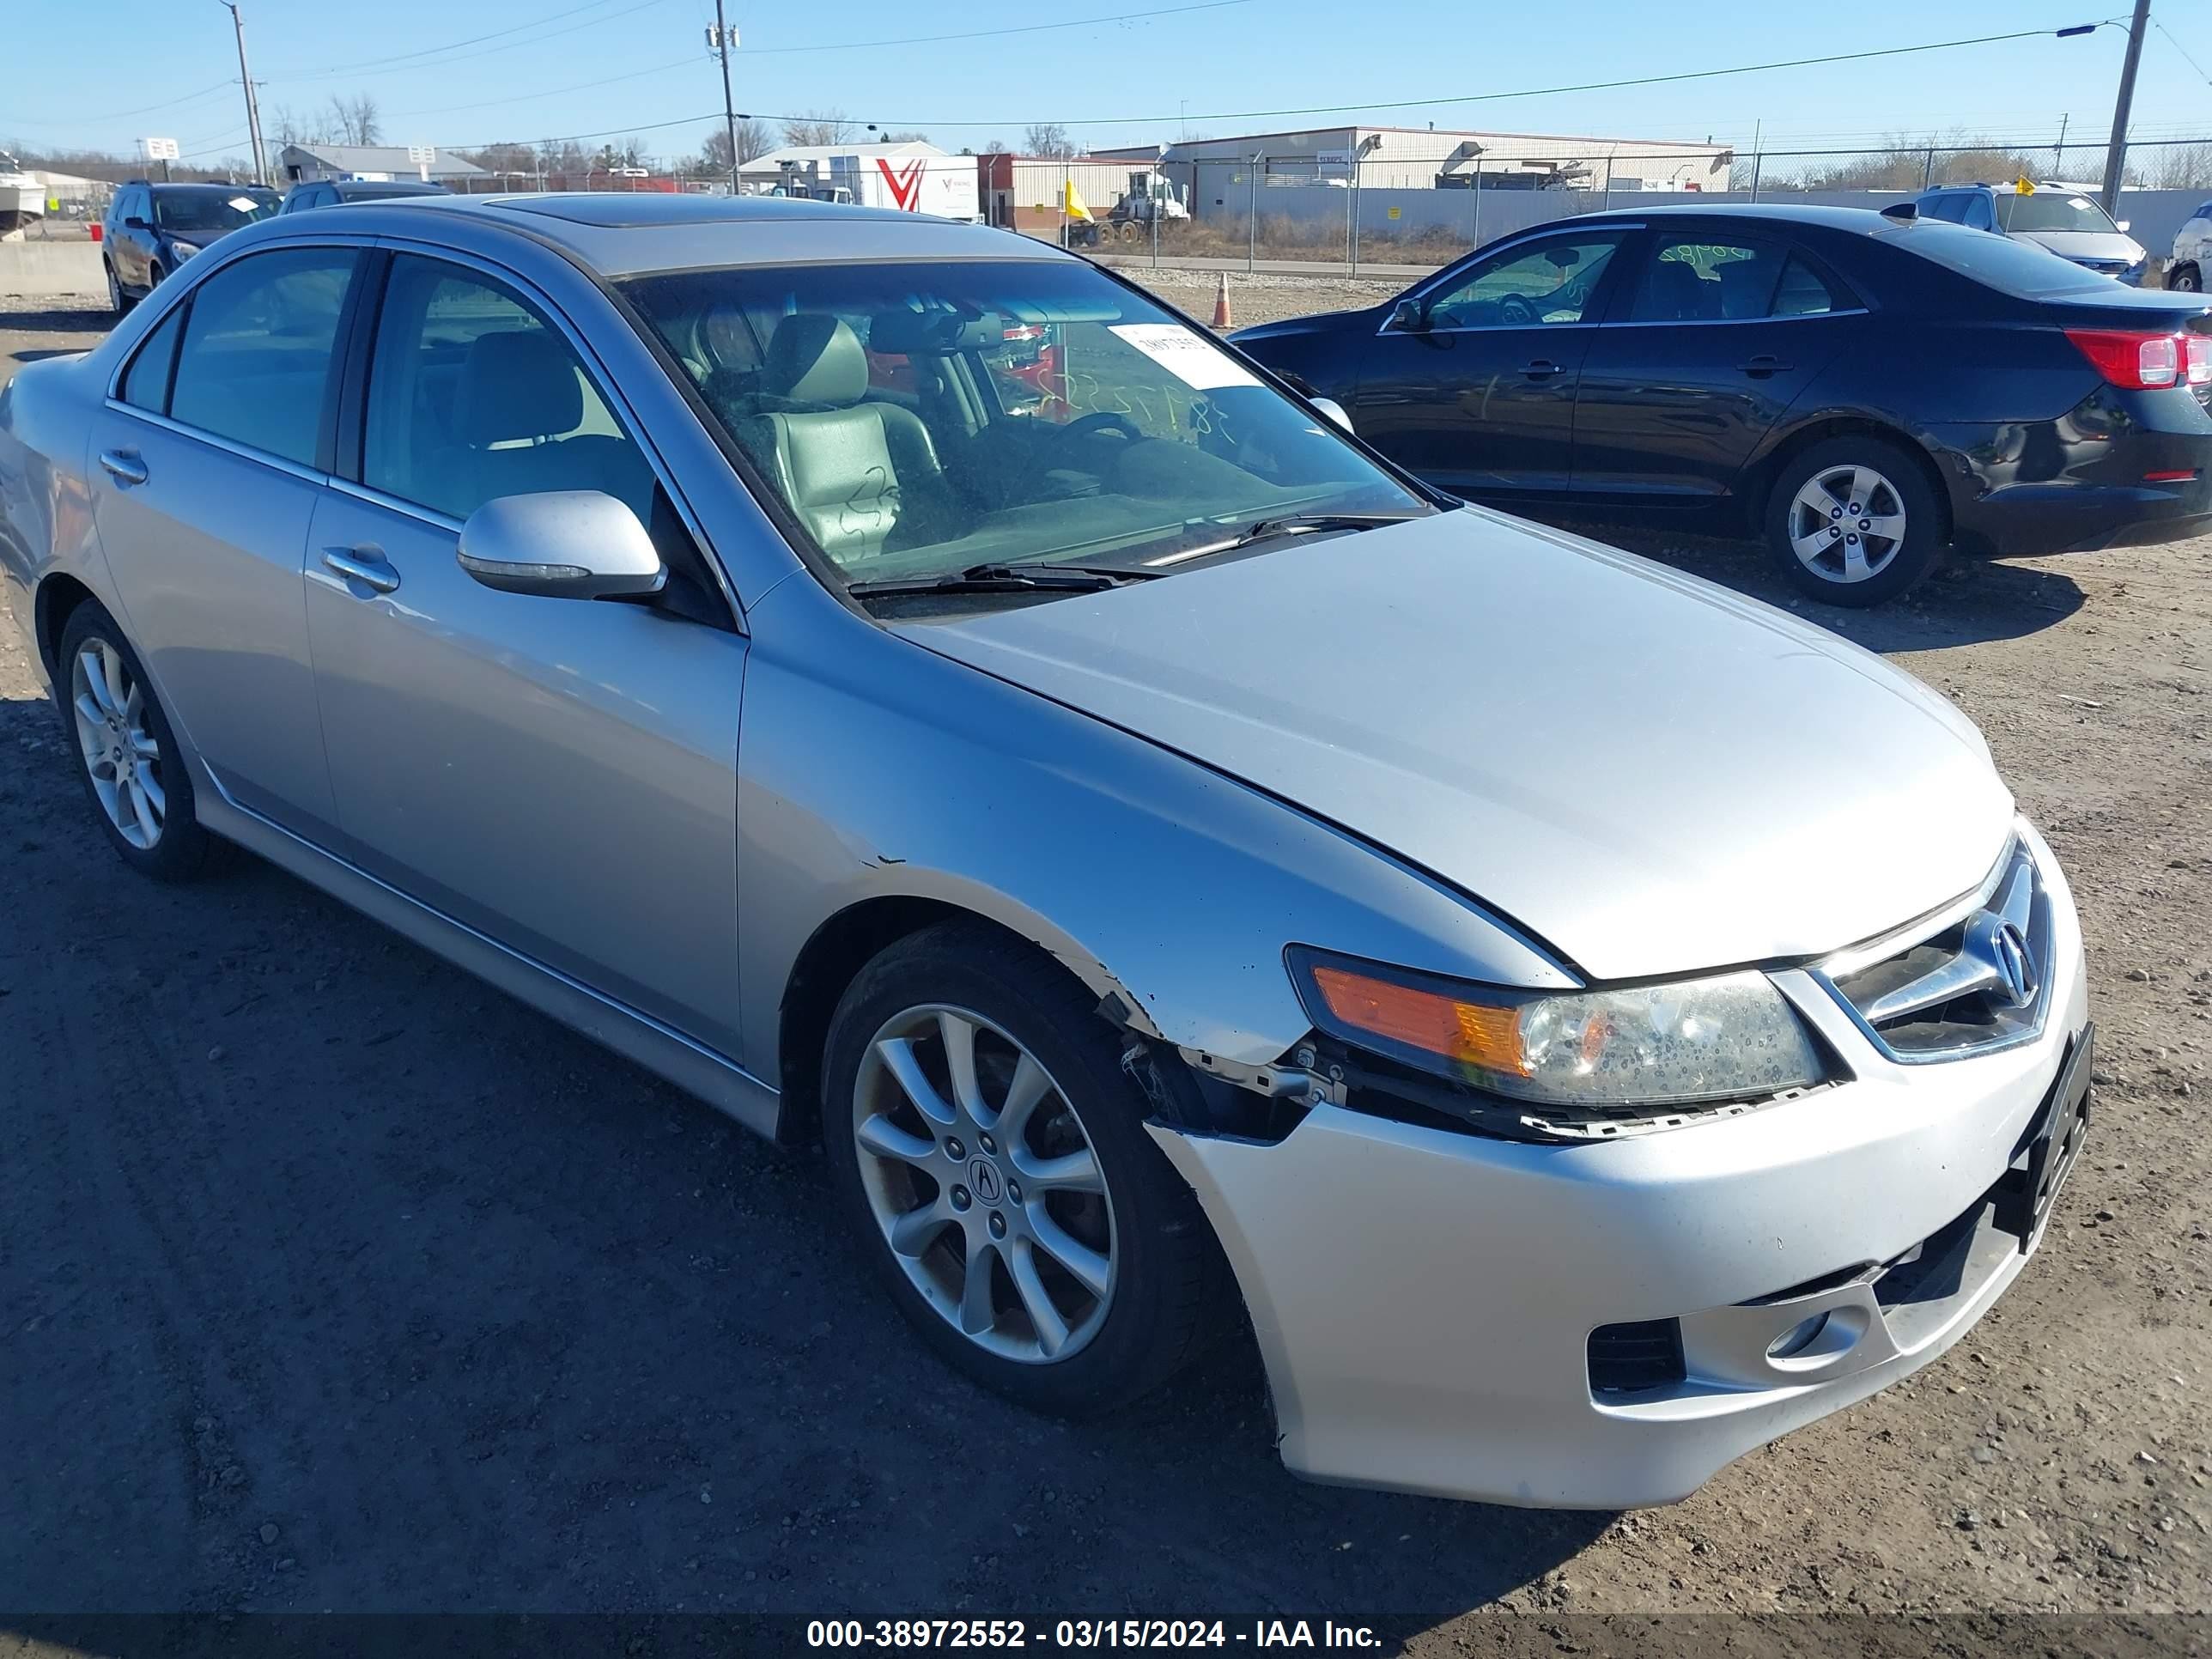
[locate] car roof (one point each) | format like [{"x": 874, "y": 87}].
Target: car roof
[
  {"x": 628, "y": 233},
  {"x": 1866, "y": 221}
]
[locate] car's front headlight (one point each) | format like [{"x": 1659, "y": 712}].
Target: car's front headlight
[
  {"x": 182, "y": 251},
  {"x": 1728, "y": 1038}
]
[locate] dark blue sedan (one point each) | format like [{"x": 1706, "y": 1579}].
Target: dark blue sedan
[{"x": 1860, "y": 389}]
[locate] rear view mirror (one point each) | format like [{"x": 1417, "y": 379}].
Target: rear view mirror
[
  {"x": 1333, "y": 410},
  {"x": 1410, "y": 317},
  {"x": 1563, "y": 258},
  {"x": 561, "y": 544}
]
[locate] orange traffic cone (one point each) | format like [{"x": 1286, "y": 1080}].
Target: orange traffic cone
[{"x": 1221, "y": 319}]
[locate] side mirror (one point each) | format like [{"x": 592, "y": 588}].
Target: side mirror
[
  {"x": 562, "y": 544},
  {"x": 134, "y": 223},
  {"x": 1410, "y": 317},
  {"x": 1333, "y": 410},
  {"x": 2122, "y": 224}
]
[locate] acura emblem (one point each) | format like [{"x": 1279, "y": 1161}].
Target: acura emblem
[
  {"x": 984, "y": 1180},
  {"x": 2000, "y": 946}
]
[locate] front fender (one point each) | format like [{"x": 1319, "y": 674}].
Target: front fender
[{"x": 870, "y": 768}]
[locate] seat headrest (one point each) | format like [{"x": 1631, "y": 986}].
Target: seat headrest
[
  {"x": 1674, "y": 290},
  {"x": 516, "y": 383},
  {"x": 1744, "y": 286},
  {"x": 814, "y": 358}
]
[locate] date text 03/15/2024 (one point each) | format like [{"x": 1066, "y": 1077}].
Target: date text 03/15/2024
[{"x": 1087, "y": 1633}]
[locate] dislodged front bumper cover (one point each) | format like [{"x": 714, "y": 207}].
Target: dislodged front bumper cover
[{"x": 1424, "y": 1300}]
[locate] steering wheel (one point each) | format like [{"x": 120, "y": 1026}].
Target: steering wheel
[
  {"x": 1516, "y": 312},
  {"x": 1104, "y": 420}
]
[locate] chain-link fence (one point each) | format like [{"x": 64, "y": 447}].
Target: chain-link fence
[{"x": 1391, "y": 213}]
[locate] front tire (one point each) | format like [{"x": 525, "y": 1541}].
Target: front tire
[
  {"x": 991, "y": 1156},
  {"x": 133, "y": 772},
  {"x": 2184, "y": 279},
  {"x": 1854, "y": 521}
]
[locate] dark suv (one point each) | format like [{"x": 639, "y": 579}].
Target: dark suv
[
  {"x": 329, "y": 193},
  {"x": 151, "y": 229}
]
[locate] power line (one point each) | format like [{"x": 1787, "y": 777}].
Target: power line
[
  {"x": 850, "y": 45},
  {"x": 2160, "y": 24},
  {"x": 983, "y": 34},
  {"x": 1492, "y": 97},
  {"x": 122, "y": 114},
  {"x": 424, "y": 60},
  {"x": 450, "y": 46}
]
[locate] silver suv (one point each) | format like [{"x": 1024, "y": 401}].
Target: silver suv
[{"x": 2065, "y": 218}]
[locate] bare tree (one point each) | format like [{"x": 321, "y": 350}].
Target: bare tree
[
  {"x": 828, "y": 126},
  {"x": 1048, "y": 138},
  {"x": 903, "y": 137},
  {"x": 504, "y": 158},
  {"x": 354, "y": 120},
  {"x": 286, "y": 125},
  {"x": 996, "y": 147},
  {"x": 753, "y": 140}
]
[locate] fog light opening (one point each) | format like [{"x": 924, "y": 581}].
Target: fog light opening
[{"x": 1798, "y": 1338}]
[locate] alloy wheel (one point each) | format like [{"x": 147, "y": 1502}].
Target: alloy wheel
[
  {"x": 984, "y": 1183},
  {"x": 119, "y": 751},
  {"x": 1846, "y": 523}
]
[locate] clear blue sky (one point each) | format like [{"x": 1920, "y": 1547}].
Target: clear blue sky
[{"x": 1126, "y": 82}]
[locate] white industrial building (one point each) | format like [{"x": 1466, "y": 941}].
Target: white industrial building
[
  {"x": 767, "y": 170},
  {"x": 1425, "y": 158}
]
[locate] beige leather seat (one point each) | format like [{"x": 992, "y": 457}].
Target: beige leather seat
[{"x": 852, "y": 470}]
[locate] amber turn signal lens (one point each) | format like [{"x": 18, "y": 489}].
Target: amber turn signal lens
[{"x": 1467, "y": 1032}]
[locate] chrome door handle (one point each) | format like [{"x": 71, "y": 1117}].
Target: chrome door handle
[
  {"x": 366, "y": 565},
  {"x": 123, "y": 465},
  {"x": 1543, "y": 369},
  {"x": 1763, "y": 364}
]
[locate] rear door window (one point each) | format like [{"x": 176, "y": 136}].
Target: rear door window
[{"x": 255, "y": 362}]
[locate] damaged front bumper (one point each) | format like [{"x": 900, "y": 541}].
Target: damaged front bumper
[{"x": 1427, "y": 1302}]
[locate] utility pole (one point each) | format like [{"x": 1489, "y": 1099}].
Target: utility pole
[
  {"x": 252, "y": 104},
  {"x": 2115, "y": 155},
  {"x": 724, "y": 38},
  {"x": 2058, "y": 150}
]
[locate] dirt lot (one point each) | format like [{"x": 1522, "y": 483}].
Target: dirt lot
[{"x": 334, "y": 1280}]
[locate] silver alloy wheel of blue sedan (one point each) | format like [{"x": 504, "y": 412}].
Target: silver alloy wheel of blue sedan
[{"x": 1847, "y": 523}]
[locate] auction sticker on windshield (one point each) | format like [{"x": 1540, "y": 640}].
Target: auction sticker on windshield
[{"x": 1191, "y": 358}]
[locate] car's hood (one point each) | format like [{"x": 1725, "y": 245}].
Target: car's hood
[
  {"x": 2084, "y": 243},
  {"x": 1649, "y": 772}
]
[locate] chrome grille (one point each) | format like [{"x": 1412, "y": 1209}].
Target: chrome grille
[{"x": 1981, "y": 982}]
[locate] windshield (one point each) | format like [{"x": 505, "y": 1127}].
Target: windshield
[
  {"x": 206, "y": 214},
  {"x": 2053, "y": 209},
  {"x": 920, "y": 420}
]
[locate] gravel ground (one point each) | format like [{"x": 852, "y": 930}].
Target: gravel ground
[{"x": 335, "y": 1280}]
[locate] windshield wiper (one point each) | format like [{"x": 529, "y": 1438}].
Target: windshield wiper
[{"x": 1032, "y": 576}]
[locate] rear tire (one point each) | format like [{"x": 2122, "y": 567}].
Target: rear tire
[
  {"x": 1106, "y": 1232},
  {"x": 117, "y": 300},
  {"x": 134, "y": 773},
  {"x": 1854, "y": 521}
]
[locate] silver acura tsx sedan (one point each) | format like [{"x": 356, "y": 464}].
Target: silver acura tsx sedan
[{"x": 904, "y": 685}]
